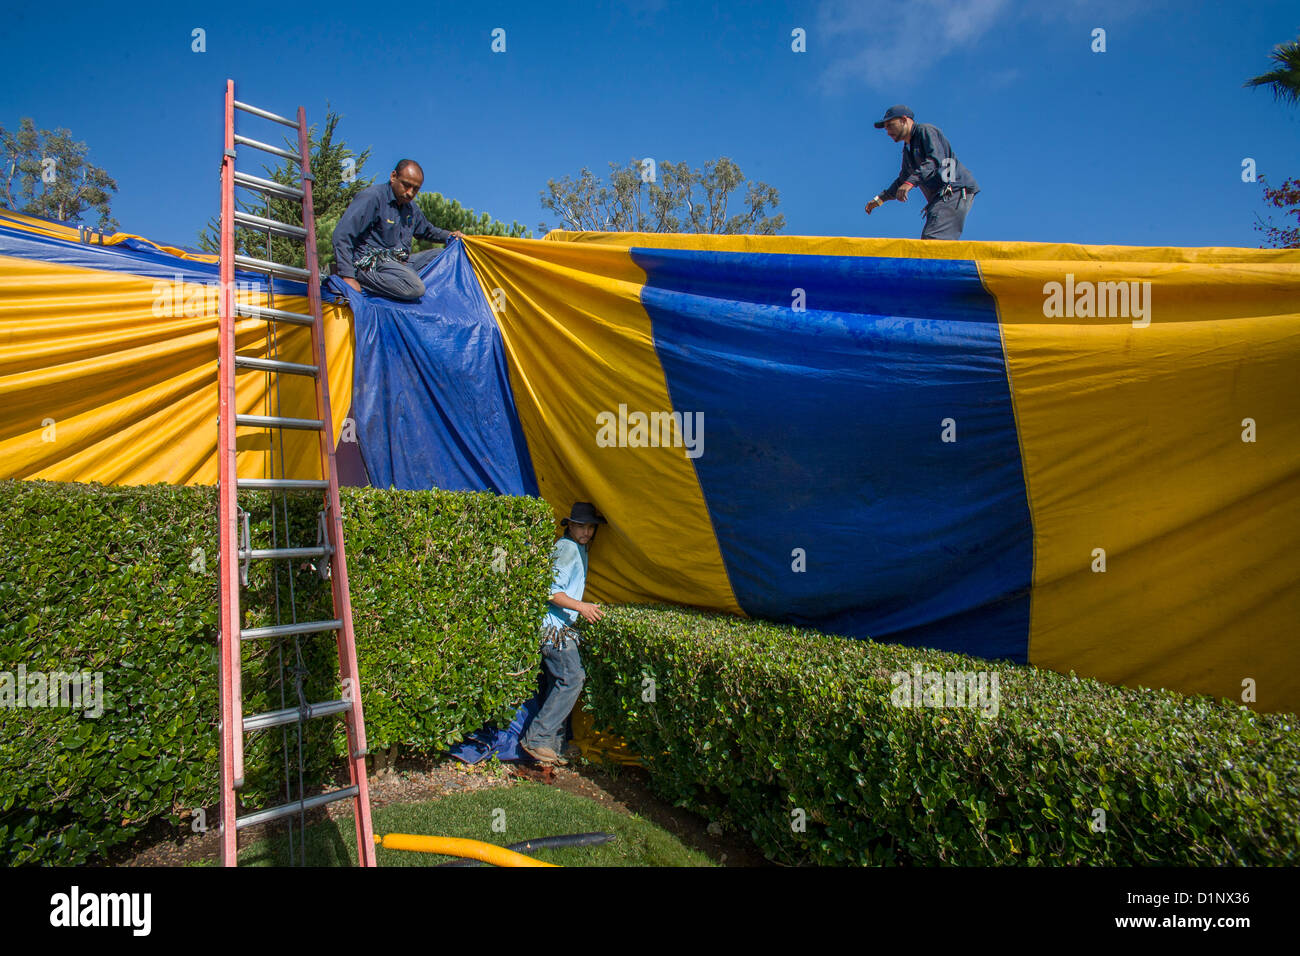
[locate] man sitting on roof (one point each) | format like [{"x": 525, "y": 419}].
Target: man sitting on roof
[{"x": 372, "y": 241}]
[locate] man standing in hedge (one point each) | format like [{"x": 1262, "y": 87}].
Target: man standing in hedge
[{"x": 544, "y": 738}]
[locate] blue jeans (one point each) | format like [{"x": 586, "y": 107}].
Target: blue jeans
[
  {"x": 398, "y": 280},
  {"x": 565, "y": 673}
]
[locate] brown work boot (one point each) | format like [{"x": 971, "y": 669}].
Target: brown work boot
[{"x": 543, "y": 755}]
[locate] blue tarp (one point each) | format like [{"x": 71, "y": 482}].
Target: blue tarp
[
  {"x": 423, "y": 370},
  {"x": 504, "y": 744},
  {"x": 823, "y": 434}
]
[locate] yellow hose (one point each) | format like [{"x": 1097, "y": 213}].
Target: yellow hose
[{"x": 454, "y": 846}]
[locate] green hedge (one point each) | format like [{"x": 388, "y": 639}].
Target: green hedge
[
  {"x": 447, "y": 590},
  {"x": 765, "y": 728}
]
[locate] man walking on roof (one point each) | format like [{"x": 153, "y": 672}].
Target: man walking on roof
[
  {"x": 372, "y": 242},
  {"x": 928, "y": 162},
  {"x": 544, "y": 738}
]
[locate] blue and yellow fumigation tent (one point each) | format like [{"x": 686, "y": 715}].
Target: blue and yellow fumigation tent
[
  {"x": 108, "y": 361},
  {"x": 1082, "y": 457}
]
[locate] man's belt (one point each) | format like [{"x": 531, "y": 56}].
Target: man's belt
[
  {"x": 947, "y": 191},
  {"x": 370, "y": 260}
]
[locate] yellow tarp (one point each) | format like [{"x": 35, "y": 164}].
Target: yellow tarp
[{"x": 108, "y": 376}]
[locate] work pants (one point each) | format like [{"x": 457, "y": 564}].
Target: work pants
[{"x": 398, "y": 280}]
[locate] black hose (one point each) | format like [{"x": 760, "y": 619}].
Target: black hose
[{"x": 545, "y": 843}]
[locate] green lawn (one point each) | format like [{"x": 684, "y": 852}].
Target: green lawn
[{"x": 530, "y": 811}]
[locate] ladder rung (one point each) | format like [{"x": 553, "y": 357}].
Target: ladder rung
[
  {"x": 275, "y": 365},
  {"x": 271, "y": 268},
  {"x": 267, "y": 147},
  {"x": 263, "y": 224},
  {"x": 258, "y": 554},
  {"x": 273, "y": 315},
  {"x": 275, "y": 421},
  {"x": 292, "y": 124},
  {"x": 289, "y": 630},
  {"x": 269, "y": 186},
  {"x": 293, "y": 715},
  {"x": 281, "y": 484},
  {"x": 298, "y": 806}
]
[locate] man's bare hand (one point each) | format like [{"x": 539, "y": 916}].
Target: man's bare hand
[
  {"x": 457, "y": 234},
  {"x": 903, "y": 190},
  {"x": 352, "y": 282},
  {"x": 590, "y": 612}
]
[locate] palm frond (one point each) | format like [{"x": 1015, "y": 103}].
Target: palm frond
[{"x": 1285, "y": 80}]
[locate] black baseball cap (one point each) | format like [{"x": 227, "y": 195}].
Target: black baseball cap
[{"x": 893, "y": 112}]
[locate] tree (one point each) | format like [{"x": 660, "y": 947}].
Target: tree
[
  {"x": 1287, "y": 199},
  {"x": 669, "y": 197},
  {"x": 46, "y": 174},
  {"x": 451, "y": 215},
  {"x": 338, "y": 179},
  {"x": 1285, "y": 80}
]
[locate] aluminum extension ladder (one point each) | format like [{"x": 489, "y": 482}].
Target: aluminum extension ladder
[{"x": 329, "y": 548}]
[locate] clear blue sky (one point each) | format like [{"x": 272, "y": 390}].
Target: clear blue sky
[{"x": 1142, "y": 144}]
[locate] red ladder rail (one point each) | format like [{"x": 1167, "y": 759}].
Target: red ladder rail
[{"x": 233, "y": 721}]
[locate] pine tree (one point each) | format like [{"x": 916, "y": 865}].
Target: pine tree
[{"x": 337, "y": 180}]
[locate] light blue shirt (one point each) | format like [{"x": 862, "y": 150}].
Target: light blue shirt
[{"x": 568, "y": 574}]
